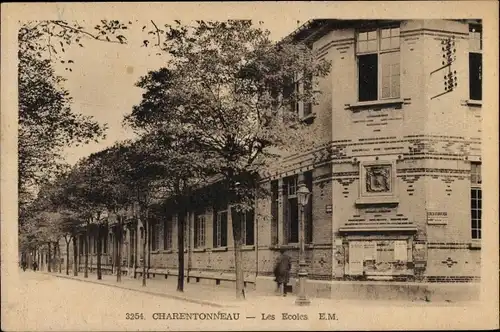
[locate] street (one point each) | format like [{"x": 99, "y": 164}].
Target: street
[
  {"x": 50, "y": 303},
  {"x": 46, "y": 302}
]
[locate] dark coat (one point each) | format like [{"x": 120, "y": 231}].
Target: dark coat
[{"x": 282, "y": 269}]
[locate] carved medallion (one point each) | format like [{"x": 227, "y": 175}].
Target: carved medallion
[{"x": 378, "y": 179}]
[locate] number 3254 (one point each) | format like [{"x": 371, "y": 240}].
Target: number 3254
[{"x": 134, "y": 315}]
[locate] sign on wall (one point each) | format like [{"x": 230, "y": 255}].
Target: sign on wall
[
  {"x": 400, "y": 251},
  {"x": 437, "y": 217},
  {"x": 356, "y": 257}
]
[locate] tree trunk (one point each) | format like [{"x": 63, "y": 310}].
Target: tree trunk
[
  {"x": 75, "y": 257},
  {"x": 49, "y": 258},
  {"x": 68, "y": 240},
  {"x": 58, "y": 256},
  {"x": 86, "y": 271},
  {"x": 99, "y": 252},
  {"x": 144, "y": 249},
  {"x": 238, "y": 256},
  {"x": 180, "y": 247},
  {"x": 119, "y": 250}
]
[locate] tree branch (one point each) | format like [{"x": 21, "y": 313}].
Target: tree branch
[
  {"x": 84, "y": 32},
  {"x": 157, "y": 33}
]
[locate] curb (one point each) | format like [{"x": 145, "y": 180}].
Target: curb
[{"x": 176, "y": 297}]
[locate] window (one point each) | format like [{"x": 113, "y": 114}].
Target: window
[
  {"x": 475, "y": 62},
  {"x": 308, "y": 86},
  {"x": 247, "y": 222},
  {"x": 300, "y": 85},
  {"x": 110, "y": 242},
  {"x": 199, "y": 231},
  {"x": 80, "y": 245},
  {"x": 132, "y": 243},
  {"x": 378, "y": 56},
  {"x": 167, "y": 233},
  {"x": 186, "y": 232},
  {"x": 104, "y": 243},
  {"x": 476, "y": 200},
  {"x": 155, "y": 235},
  {"x": 220, "y": 229},
  {"x": 308, "y": 180},
  {"x": 94, "y": 244},
  {"x": 291, "y": 209},
  {"x": 274, "y": 212}
]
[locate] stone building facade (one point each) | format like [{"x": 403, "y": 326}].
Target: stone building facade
[{"x": 395, "y": 174}]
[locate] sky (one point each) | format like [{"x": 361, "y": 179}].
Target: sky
[{"x": 103, "y": 76}]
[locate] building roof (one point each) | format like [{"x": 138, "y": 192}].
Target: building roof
[{"x": 316, "y": 28}]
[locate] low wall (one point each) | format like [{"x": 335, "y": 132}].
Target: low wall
[{"x": 376, "y": 290}]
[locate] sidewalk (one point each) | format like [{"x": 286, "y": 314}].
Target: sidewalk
[{"x": 218, "y": 296}]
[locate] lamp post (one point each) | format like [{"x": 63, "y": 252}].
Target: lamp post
[{"x": 302, "y": 197}]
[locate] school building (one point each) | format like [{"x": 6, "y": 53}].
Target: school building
[{"x": 395, "y": 175}]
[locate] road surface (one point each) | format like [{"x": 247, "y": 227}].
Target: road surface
[{"x": 45, "y": 303}]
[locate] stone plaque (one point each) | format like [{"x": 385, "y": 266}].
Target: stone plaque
[{"x": 378, "y": 179}]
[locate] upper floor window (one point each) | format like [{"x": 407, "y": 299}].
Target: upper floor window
[
  {"x": 475, "y": 62},
  {"x": 300, "y": 85},
  {"x": 476, "y": 200},
  {"x": 378, "y": 56}
]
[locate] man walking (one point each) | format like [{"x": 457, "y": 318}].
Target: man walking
[{"x": 282, "y": 271}]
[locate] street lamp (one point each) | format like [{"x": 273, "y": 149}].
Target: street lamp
[{"x": 303, "y": 197}]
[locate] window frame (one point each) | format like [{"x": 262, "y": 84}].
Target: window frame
[{"x": 378, "y": 52}]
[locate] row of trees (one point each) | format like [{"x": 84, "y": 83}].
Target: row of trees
[{"x": 218, "y": 114}]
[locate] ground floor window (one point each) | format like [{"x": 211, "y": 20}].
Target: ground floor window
[
  {"x": 199, "y": 231},
  {"x": 186, "y": 232},
  {"x": 476, "y": 206},
  {"x": 80, "y": 245},
  {"x": 167, "y": 233},
  {"x": 94, "y": 244},
  {"x": 291, "y": 209},
  {"x": 132, "y": 244},
  {"x": 247, "y": 224},
  {"x": 220, "y": 229},
  {"x": 155, "y": 236},
  {"x": 105, "y": 243}
]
